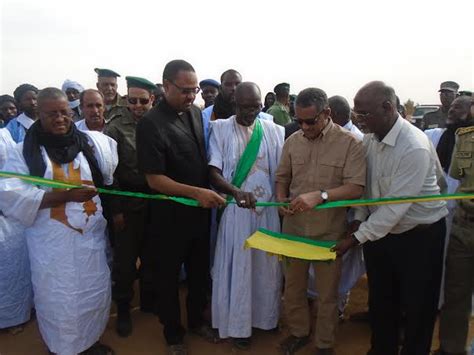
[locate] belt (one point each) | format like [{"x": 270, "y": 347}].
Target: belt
[{"x": 422, "y": 227}]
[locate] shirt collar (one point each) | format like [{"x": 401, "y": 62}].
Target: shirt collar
[
  {"x": 327, "y": 127},
  {"x": 348, "y": 125},
  {"x": 392, "y": 135},
  {"x": 25, "y": 121}
]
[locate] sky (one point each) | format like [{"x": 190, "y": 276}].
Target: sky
[{"x": 337, "y": 46}]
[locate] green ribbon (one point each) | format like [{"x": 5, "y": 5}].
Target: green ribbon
[
  {"x": 189, "y": 202},
  {"x": 248, "y": 158}
]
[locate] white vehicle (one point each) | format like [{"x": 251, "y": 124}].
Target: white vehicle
[{"x": 420, "y": 111}]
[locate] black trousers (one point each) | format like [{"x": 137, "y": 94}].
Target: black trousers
[
  {"x": 130, "y": 244},
  {"x": 181, "y": 237},
  {"x": 404, "y": 275}
]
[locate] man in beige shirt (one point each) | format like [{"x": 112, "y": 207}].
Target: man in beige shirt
[{"x": 321, "y": 162}]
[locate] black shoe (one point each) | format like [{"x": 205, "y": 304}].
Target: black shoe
[
  {"x": 292, "y": 344},
  {"x": 207, "y": 333},
  {"x": 177, "y": 349},
  {"x": 124, "y": 322},
  {"x": 241, "y": 343},
  {"x": 441, "y": 352},
  {"x": 98, "y": 349}
]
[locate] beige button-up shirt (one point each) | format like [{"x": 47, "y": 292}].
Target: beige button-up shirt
[
  {"x": 404, "y": 163},
  {"x": 333, "y": 159}
]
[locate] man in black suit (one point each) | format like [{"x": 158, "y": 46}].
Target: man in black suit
[{"x": 171, "y": 154}]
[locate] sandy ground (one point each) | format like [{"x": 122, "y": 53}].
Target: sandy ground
[{"x": 147, "y": 339}]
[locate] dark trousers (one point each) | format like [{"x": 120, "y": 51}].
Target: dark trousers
[
  {"x": 181, "y": 236},
  {"x": 404, "y": 275},
  {"x": 128, "y": 247}
]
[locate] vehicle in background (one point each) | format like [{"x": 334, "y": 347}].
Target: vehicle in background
[{"x": 420, "y": 111}]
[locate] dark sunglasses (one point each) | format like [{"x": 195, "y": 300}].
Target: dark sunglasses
[
  {"x": 134, "y": 101},
  {"x": 310, "y": 121}
]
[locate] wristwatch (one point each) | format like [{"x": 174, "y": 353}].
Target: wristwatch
[{"x": 324, "y": 196}]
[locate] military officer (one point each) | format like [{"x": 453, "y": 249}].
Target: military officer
[
  {"x": 107, "y": 85},
  {"x": 280, "y": 109},
  {"x": 129, "y": 216},
  {"x": 447, "y": 93},
  {"x": 456, "y": 311}
]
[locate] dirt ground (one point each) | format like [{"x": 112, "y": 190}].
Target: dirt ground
[{"x": 147, "y": 339}]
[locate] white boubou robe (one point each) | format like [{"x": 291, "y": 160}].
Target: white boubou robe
[
  {"x": 16, "y": 295},
  {"x": 67, "y": 249},
  {"x": 247, "y": 283}
]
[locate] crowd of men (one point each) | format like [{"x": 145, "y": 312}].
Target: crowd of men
[{"x": 68, "y": 252}]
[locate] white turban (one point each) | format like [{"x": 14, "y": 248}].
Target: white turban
[{"x": 69, "y": 84}]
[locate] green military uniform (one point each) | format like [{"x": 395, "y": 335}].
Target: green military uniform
[
  {"x": 280, "y": 113},
  {"x": 118, "y": 108},
  {"x": 129, "y": 243},
  {"x": 435, "y": 119},
  {"x": 455, "y": 315}
]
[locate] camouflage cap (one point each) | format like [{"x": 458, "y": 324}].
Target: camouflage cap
[{"x": 449, "y": 86}]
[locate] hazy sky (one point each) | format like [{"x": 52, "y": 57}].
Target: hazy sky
[{"x": 335, "y": 45}]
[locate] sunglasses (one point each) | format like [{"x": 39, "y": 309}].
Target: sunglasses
[
  {"x": 186, "y": 91},
  {"x": 310, "y": 121},
  {"x": 134, "y": 101}
]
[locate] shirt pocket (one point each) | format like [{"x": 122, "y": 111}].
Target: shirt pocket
[
  {"x": 330, "y": 173},
  {"x": 298, "y": 166},
  {"x": 464, "y": 163}
]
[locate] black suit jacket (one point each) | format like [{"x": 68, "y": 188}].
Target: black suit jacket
[{"x": 173, "y": 145}]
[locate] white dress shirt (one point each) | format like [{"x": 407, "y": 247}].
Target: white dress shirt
[
  {"x": 404, "y": 163},
  {"x": 25, "y": 121},
  {"x": 82, "y": 125},
  {"x": 351, "y": 127}
]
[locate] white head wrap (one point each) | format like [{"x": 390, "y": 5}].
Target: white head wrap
[{"x": 69, "y": 84}]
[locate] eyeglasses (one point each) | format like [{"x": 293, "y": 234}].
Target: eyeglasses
[
  {"x": 311, "y": 121},
  {"x": 135, "y": 100},
  {"x": 361, "y": 115},
  {"x": 56, "y": 114},
  {"x": 187, "y": 91}
]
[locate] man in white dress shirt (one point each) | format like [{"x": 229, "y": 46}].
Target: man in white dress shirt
[
  {"x": 403, "y": 243},
  {"x": 25, "y": 95},
  {"x": 93, "y": 109},
  {"x": 341, "y": 114}
]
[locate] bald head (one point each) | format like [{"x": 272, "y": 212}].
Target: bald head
[
  {"x": 247, "y": 88},
  {"x": 248, "y": 99},
  {"x": 378, "y": 91},
  {"x": 375, "y": 106}
]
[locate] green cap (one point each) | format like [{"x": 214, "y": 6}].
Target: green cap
[
  {"x": 465, "y": 93},
  {"x": 142, "y": 83},
  {"x": 106, "y": 73}
]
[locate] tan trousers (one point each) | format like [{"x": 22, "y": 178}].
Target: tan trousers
[
  {"x": 296, "y": 300},
  {"x": 458, "y": 287}
]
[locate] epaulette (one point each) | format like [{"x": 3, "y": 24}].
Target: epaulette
[{"x": 464, "y": 130}]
